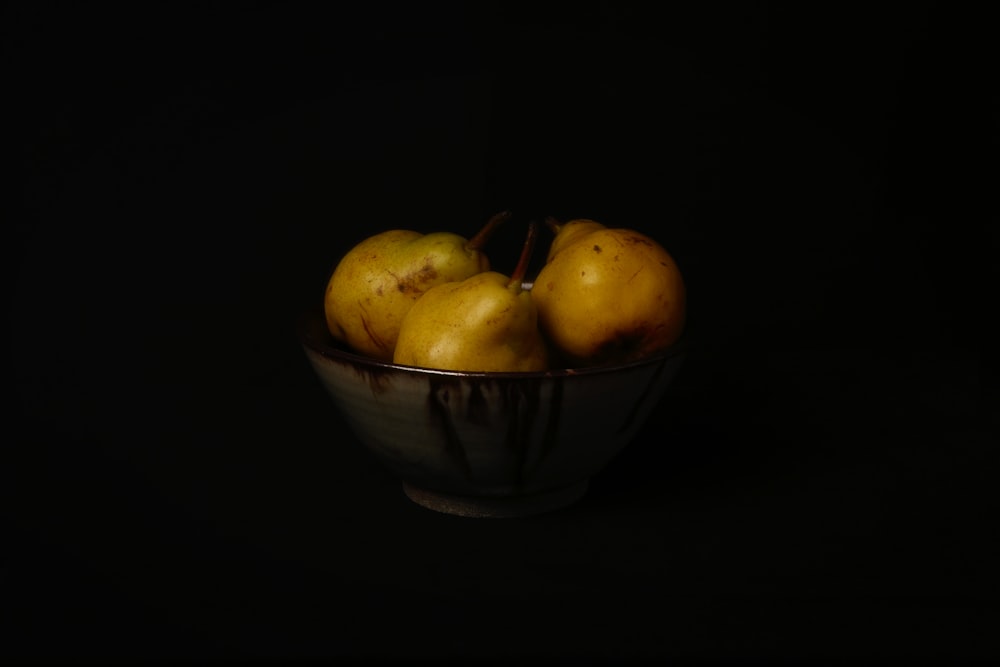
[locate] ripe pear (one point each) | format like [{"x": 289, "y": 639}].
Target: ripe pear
[
  {"x": 609, "y": 295},
  {"x": 376, "y": 283},
  {"x": 487, "y": 322},
  {"x": 567, "y": 232}
]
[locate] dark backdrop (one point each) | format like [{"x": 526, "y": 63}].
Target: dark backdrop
[{"x": 816, "y": 484}]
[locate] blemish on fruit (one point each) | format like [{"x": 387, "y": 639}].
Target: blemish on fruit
[
  {"x": 414, "y": 282},
  {"x": 372, "y": 335},
  {"x": 597, "y": 248},
  {"x": 625, "y": 345},
  {"x": 637, "y": 239}
]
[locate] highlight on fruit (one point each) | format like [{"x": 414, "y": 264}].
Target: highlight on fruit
[{"x": 603, "y": 295}]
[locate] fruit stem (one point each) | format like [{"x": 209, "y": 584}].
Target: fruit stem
[
  {"x": 521, "y": 270},
  {"x": 483, "y": 235},
  {"x": 553, "y": 224}
]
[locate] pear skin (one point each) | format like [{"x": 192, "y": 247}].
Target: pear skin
[
  {"x": 486, "y": 322},
  {"x": 565, "y": 233},
  {"x": 479, "y": 324},
  {"x": 375, "y": 283},
  {"x": 610, "y": 296}
]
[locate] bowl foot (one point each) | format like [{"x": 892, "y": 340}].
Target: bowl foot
[{"x": 496, "y": 507}]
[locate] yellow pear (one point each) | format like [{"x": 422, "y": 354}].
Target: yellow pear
[
  {"x": 566, "y": 233},
  {"x": 487, "y": 322},
  {"x": 377, "y": 281},
  {"x": 610, "y": 295}
]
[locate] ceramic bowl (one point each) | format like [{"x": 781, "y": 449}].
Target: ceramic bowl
[{"x": 489, "y": 444}]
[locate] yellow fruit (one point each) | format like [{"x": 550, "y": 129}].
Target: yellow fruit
[
  {"x": 610, "y": 296},
  {"x": 376, "y": 283},
  {"x": 568, "y": 232},
  {"x": 486, "y": 322}
]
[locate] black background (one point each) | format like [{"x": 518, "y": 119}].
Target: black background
[{"x": 816, "y": 485}]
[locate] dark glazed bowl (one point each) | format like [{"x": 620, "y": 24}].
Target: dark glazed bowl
[{"x": 489, "y": 444}]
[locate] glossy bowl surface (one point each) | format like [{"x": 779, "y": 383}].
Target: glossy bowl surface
[{"x": 489, "y": 444}]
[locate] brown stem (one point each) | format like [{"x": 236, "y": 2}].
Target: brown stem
[
  {"x": 483, "y": 235},
  {"x": 553, "y": 225},
  {"x": 521, "y": 270}
]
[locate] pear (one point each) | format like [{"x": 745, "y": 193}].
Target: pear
[
  {"x": 487, "y": 322},
  {"x": 376, "y": 282},
  {"x": 564, "y": 233},
  {"x": 608, "y": 295}
]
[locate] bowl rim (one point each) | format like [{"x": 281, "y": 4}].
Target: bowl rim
[{"x": 312, "y": 318}]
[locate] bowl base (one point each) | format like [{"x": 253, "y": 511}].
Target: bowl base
[{"x": 496, "y": 507}]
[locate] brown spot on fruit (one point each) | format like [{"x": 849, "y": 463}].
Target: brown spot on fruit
[
  {"x": 415, "y": 283},
  {"x": 637, "y": 240},
  {"x": 373, "y": 336},
  {"x": 623, "y": 346},
  {"x": 597, "y": 248}
]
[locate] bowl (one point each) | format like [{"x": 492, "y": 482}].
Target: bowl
[{"x": 488, "y": 444}]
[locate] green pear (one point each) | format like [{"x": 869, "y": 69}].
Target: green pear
[
  {"x": 377, "y": 281},
  {"x": 608, "y": 295},
  {"x": 486, "y": 322}
]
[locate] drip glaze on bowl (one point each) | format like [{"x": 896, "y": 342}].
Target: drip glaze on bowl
[{"x": 489, "y": 444}]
